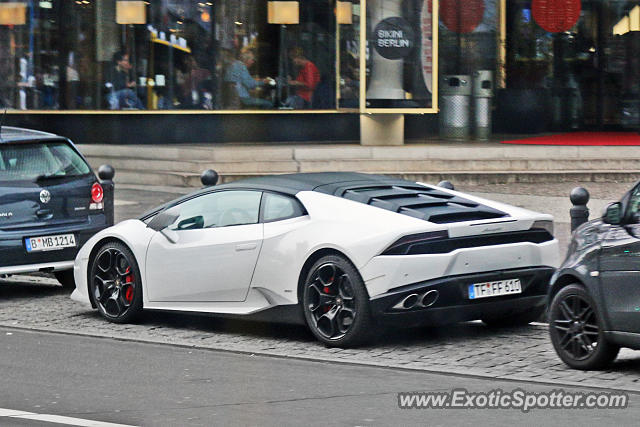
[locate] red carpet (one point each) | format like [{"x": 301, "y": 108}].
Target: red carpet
[{"x": 582, "y": 138}]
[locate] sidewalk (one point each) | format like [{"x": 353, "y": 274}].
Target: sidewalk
[{"x": 468, "y": 162}]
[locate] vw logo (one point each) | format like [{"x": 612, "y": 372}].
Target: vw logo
[{"x": 45, "y": 196}]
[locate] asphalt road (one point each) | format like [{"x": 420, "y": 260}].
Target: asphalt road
[{"x": 161, "y": 385}]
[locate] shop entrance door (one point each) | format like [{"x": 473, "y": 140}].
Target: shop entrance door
[{"x": 590, "y": 75}]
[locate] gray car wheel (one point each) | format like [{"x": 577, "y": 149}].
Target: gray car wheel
[
  {"x": 336, "y": 303},
  {"x": 576, "y": 330}
]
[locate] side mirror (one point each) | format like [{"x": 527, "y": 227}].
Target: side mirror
[
  {"x": 192, "y": 223},
  {"x": 613, "y": 213},
  {"x": 164, "y": 219}
]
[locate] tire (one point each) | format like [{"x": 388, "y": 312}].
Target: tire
[
  {"x": 65, "y": 278},
  {"x": 520, "y": 319},
  {"x": 575, "y": 326},
  {"x": 115, "y": 284},
  {"x": 335, "y": 303}
]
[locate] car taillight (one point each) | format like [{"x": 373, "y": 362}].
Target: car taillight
[
  {"x": 97, "y": 194},
  {"x": 544, "y": 224},
  {"x": 403, "y": 245}
]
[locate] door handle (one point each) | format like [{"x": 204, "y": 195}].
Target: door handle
[
  {"x": 44, "y": 213},
  {"x": 246, "y": 246}
]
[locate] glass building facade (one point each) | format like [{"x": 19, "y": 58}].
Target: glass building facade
[{"x": 572, "y": 64}]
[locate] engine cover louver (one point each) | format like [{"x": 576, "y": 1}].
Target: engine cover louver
[{"x": 420, "y": 202}]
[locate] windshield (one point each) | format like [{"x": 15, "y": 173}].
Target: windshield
[{"x": 40, "y": 160}]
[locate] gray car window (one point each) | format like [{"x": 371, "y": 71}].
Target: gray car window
[
  {"x": 27, "y": 161},
  {"x": 634, "y": 201},
  {"x": 278, "y": 207},
  {"x": 219, "y": 209}
]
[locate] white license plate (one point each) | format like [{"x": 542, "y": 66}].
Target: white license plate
[
  {"x": 50, "y": 243},
  {"x": 495, "y": 289}
]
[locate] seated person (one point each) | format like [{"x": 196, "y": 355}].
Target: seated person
[
  {"x": 193, "y": 89},
  {"x": 122, "y": 93},
  {"x": 306, "y": 81},
  {"x": 238, "y": 73}
]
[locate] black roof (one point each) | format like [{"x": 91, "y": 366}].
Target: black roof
[
  {"x": 397, "y": 195},
  {"x": 296, "y": 182},
  {"x": 13, "y": 134}
]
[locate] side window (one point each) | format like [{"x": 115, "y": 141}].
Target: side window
[
  {"x": 634, "y": 203},
  {"x": 278, "y": 207},
  {"x": 219, "y": 209}
]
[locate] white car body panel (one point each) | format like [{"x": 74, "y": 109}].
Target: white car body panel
[
  {"x": 132, "y": 232},
  {"x": 359, "y": 231},
  {"x": 386, "y": 272},
  {"x": 211, "y": 264}
]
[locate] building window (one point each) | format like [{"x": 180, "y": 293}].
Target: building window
[
  {"x": 134, "y": 55},
  {"x": 399, "y": 54},
  {"x": 166, "y": 55}
]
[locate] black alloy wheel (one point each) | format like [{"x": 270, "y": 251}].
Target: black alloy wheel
[
  {"x": 335, "y": 303},
  {"x": 576, "y": 330},
  {"x": 115, "y": 283}
]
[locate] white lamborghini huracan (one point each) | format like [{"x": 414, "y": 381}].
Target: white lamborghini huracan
[{"x": 338, "y": 251}]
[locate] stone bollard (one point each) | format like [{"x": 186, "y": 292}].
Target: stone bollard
[
  {"x": 446, "y": 184},
  {"x": 209, "y": 178},
  {"x": 579, "y": 212},
  {"x": 106, "y": 174}
]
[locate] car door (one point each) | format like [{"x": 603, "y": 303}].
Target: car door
[
  {"x": 284, "y": 217},
  {"x": 620, "y": 269},
  {"x": 210, "y": 251}
]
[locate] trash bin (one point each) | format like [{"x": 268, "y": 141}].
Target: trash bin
[
  {"x": 455, "y": 91},
  {"x": 482, "y": 94}
]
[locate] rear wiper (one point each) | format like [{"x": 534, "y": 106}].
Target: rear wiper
[{"x": 45, "y": 177}]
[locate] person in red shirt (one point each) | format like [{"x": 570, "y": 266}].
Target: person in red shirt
[{"x": 306, "y": 81}]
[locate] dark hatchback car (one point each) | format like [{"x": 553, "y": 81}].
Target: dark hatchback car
[
  {"x": 595, "y": 294},
  {"x": 51, "y": 203}
]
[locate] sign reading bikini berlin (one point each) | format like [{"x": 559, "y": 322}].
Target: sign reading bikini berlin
[{"x": 393, "y": 38}]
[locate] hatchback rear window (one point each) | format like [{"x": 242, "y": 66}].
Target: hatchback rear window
[{"x": 30, "y": 161}]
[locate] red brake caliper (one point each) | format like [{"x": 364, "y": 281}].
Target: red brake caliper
[{"x": 128, "y": 295}]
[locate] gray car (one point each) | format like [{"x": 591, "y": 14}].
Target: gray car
[
  {"x": 595, "y": 294},
  {"x": 51, "y": 203}
]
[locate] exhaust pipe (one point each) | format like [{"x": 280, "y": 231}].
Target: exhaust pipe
[
  {"x": 415, "y": 300},
  {"x": 429, "y": 298},
  {"x": 407, "y": 302},
  {"x": 410, "y": 301}
]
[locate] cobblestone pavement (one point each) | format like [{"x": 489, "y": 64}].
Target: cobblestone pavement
[{"x": 470, "y": 349}]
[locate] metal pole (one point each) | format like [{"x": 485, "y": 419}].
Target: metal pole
[
  {"x": 579, "y": 213},
  {"x": 106, "y": 174}
]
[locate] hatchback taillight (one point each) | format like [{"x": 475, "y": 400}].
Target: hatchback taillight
[{"x": 97, "y": 194}]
